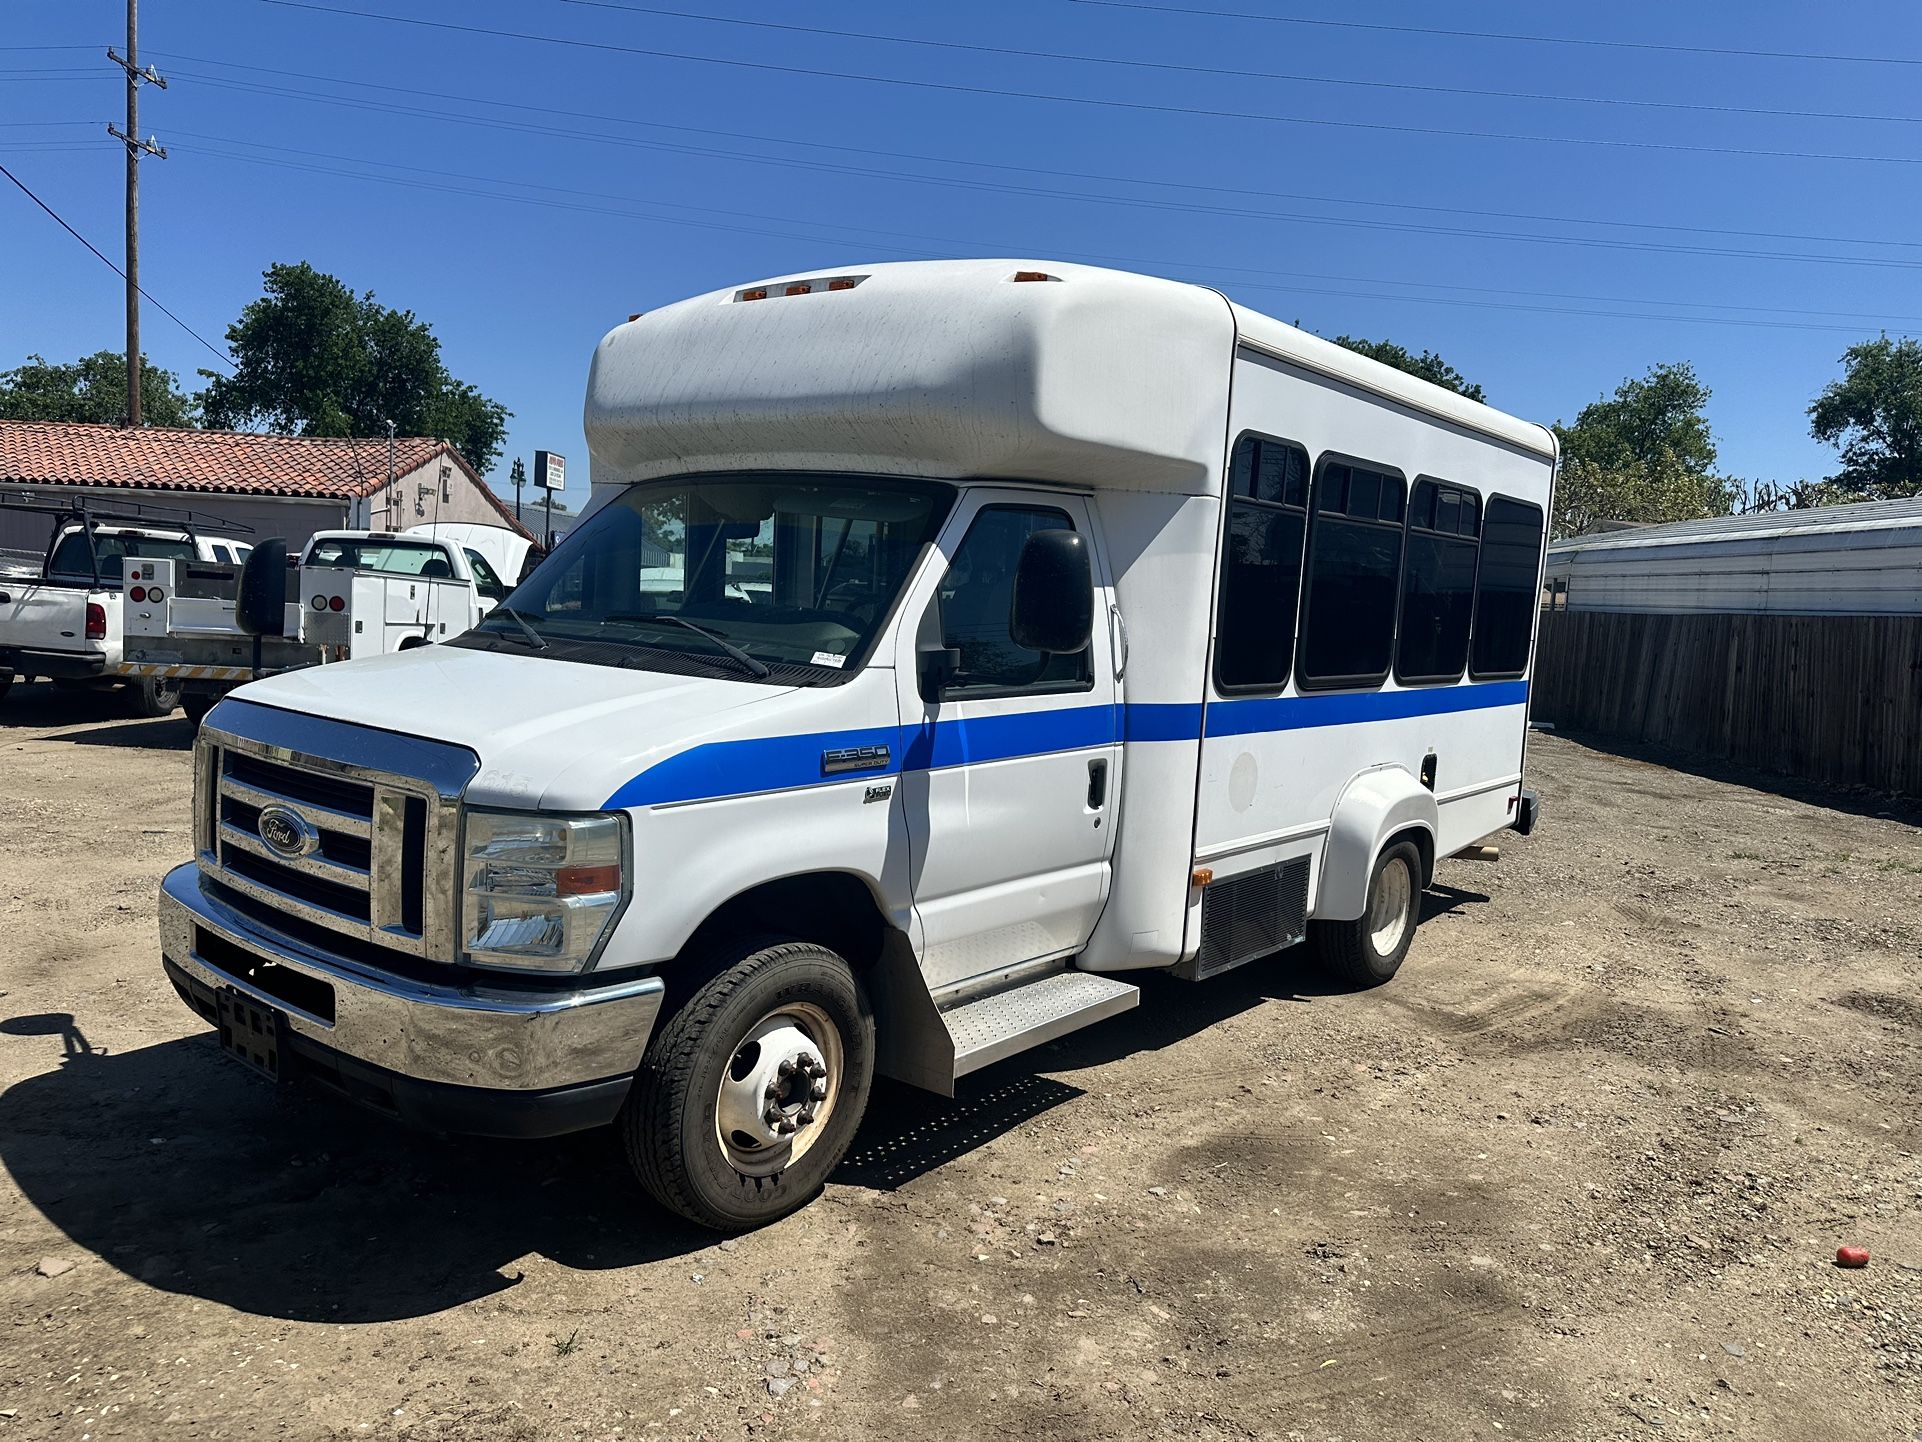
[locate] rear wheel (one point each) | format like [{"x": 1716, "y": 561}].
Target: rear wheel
[
  {"x": 153, "y": 696},
  {"x": 1369, "y": 950},
  {"x": 750, "y": 1094},
  {"x": 197, "y": 704}
]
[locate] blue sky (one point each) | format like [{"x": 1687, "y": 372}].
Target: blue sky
[{"x": 522, "y": 196}]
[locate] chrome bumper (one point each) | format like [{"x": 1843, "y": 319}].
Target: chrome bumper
[{"x": 467, "y": 1036}]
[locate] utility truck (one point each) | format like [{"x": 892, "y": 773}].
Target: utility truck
[
  {"x": 353, "y": 594},
  {"x": 62, "y": 617},
  {"x": 947, "y": 647}
]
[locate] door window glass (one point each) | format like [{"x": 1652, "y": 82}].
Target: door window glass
[{"x": 977, "y": 605}]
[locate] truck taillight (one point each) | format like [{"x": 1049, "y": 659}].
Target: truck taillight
[
  {"x": 96, "y": 621},
  {"x": 138, "y": 593},
  {"x": 337, "y": 603}
]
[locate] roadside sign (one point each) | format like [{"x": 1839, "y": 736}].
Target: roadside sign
[{"x": 550, "y": 471}]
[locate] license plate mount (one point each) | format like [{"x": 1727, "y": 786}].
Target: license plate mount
[{"x": 253, "y": 1033}]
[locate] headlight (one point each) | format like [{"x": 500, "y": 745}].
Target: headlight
[{"x": 541, "y": 892}]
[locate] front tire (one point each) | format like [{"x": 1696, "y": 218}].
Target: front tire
[
  {"x": 197, "y": 704},
  {"x": 1368, "y": 951},
  {"x": 750, "y": 1094}
]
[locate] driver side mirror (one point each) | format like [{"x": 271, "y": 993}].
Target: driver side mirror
[{"x": 1053, "y": 608}]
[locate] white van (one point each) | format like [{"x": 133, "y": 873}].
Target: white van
[{"x": 945, "y": 645}]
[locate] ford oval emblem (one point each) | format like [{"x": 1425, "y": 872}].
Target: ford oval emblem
[{"x": 287, "y": 833}]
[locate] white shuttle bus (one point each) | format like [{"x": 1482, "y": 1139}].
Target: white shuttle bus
[{"x": 946, "y": 645}]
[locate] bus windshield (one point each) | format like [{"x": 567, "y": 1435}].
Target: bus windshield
[{"x": 789, "y": 576}]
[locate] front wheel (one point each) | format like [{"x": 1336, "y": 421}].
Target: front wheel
[
  {"x": 1369, "y": 950},
  {"x": 750, "y": 1094},
  {"x": 197, "y": 704}
]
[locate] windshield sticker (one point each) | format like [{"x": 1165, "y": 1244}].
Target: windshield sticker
[{"x": 828, "y": 658}]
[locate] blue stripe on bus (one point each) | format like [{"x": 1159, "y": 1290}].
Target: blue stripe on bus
[{"x": 780, "y": 763}]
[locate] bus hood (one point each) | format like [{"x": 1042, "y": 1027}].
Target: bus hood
[{"x": 552, "y": 734}]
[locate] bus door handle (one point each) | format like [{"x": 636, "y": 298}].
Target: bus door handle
[{"x": 1097, "y": 784}]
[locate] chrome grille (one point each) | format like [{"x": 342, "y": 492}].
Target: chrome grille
[{"x": 343, "y": 827}]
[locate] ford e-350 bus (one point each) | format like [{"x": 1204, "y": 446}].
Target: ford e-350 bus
[{"x": 946, "y": 644}]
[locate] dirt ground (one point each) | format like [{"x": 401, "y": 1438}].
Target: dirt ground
[{"x": 1579, "y": 1172}]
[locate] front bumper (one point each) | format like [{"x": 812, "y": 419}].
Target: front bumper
[{"x": 492, "y": 1060}]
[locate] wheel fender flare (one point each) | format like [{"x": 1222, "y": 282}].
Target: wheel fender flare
[{"x": 1376, "y": 805}]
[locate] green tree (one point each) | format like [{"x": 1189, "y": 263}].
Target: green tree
[
  {"x": 92, "y": 390},
  {"x": 1873, "y": 415},
  {"x": 1427, "y": 365},
  {"x": 313, "y": 358},
  {"x": 1644, "y": 454}
]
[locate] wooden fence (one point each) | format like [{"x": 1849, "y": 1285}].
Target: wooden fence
[{"x": 1836, "y": 699}]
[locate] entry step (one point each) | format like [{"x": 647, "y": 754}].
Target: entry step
[{"x": 992, "y": 1027}]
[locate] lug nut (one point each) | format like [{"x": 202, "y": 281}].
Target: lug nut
[
  {"x": 819, "y": 1091},
  {"x": 787, "y": 1068}
]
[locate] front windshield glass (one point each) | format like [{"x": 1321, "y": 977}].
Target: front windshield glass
[{"x": 757, "y": 576}]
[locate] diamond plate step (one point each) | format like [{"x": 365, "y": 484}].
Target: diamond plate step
[{"x": 990, "y": 1028}]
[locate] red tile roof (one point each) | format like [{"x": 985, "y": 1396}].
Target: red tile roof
[{"x": 217, "y": 462}]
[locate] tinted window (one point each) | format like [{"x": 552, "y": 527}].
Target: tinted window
[
  {"x": 1437, "y": 583},
  {"x": 977, "y": 602},
  {"x": 1507, "y": 590},
  {"x": 1261, "y": 564},
  {"x": 70, "y": 560},
  {"x": 1354, "y": 566}
]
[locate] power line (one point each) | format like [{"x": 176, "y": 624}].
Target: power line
[
  {"x": 416, "y": 92},
  {"x": 221, "y": 356},
  {"x": 1721, "y": 50},
  {"x": 1141, "y": 106},
  {"x": 1221, "y": 73},
  {"x": 1161, "y": 264},
  {"x": 1134, "y": 202}
]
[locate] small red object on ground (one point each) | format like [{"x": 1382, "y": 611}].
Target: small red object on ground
[{"x": 1851, "y": 1256}]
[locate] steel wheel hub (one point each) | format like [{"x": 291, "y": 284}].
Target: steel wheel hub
[
  {"x": 1388, "y": 908},
  {"x": 779, "y": 1089}
]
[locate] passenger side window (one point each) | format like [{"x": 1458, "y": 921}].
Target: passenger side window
[
  {"x": 1438, "y": 583},
  {"x": 977, "y": 602},
  {"x": 1261, "y": 564},
  {"x": 1354, "y": 567},
  {"x": 485, "y": 581},
  {"x": 1507, "y": 590}
]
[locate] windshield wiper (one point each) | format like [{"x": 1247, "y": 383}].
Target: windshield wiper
[
  {"x": 759, "y": 668},
  {"x": 539, "y": 641}
]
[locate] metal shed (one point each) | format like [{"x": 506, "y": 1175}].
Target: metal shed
[{"x": 1856, "y": 560}]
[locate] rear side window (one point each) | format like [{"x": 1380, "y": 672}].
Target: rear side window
[
  {"x": 1261, "y": 564},
  {"x": 1354, "y": 572},
  {"x": 1507, "y": 590},
  {"x": 1437, "y": 583}
]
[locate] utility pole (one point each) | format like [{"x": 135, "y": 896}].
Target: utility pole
[{"x": 136, "y": 147}]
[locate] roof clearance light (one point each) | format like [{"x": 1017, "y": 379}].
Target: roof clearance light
[
  {"x": 843, "y": 283},
  {"x": 802, "y": 289},
  {"x": 1032, "y": 275},
  {"x": 758, "y": 293}
]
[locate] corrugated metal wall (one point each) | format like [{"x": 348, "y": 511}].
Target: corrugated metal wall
[{"x": 1835, "y": 699}]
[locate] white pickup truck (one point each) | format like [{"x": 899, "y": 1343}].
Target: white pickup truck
[
  {"x": 62, "y": 619},
  {"x": 353, "y": 594}
]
